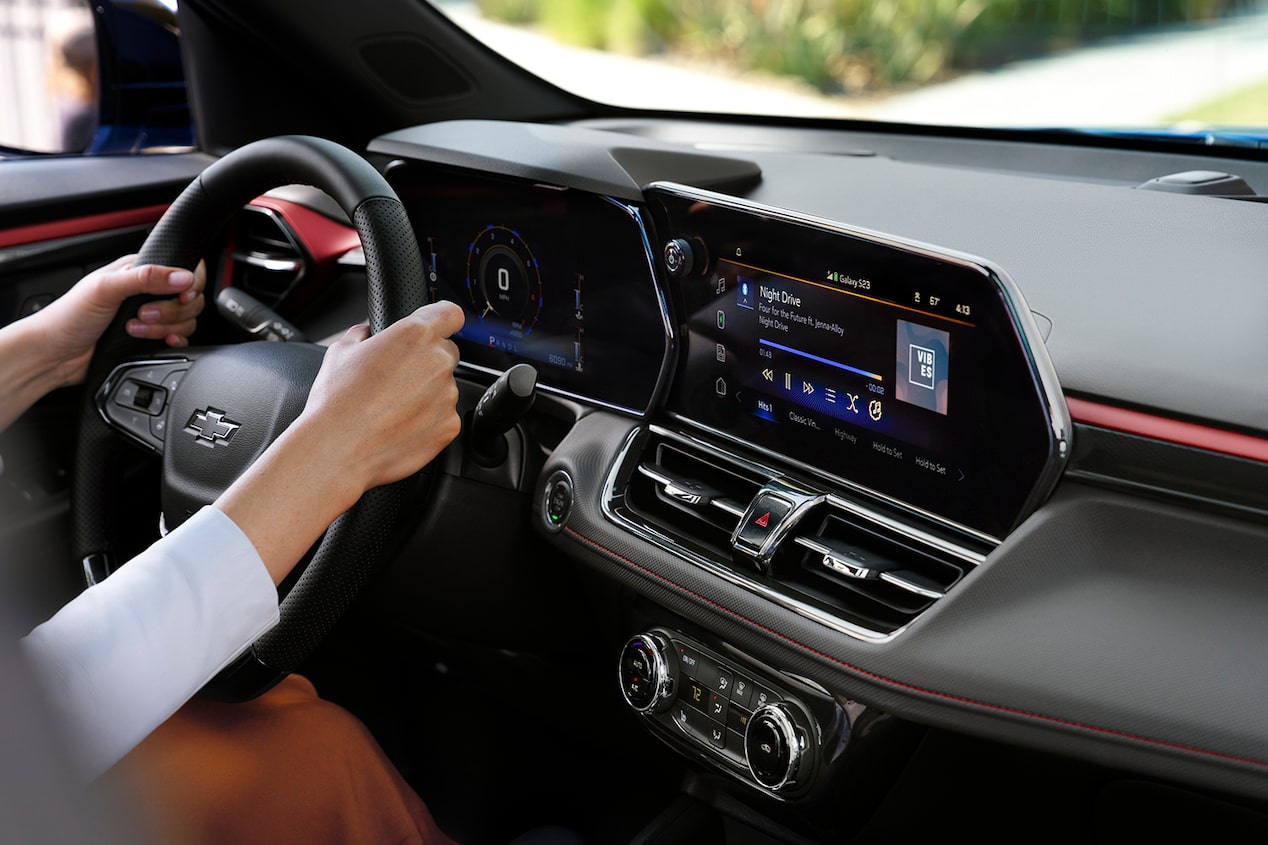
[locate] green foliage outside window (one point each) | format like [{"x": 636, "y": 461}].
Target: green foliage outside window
[{"x": 850, "y": 45}]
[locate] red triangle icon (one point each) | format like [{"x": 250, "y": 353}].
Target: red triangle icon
[{"x": 763, "y": 520}]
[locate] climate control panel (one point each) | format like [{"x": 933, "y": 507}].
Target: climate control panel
[{"x": 725, "y": 709}]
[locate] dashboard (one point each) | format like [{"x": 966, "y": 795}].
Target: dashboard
[{"x": 991, "y": 463}]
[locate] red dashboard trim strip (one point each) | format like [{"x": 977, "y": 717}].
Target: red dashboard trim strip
[
  {"x": 1172, "y": 431},
  {"x": 87, "y": 225},
  {"x": 985, "y": 705}
]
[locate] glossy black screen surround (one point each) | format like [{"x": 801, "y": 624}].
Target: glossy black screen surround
[
  {"x": 557, "y": 278},
  {"x": 892, "y": 367}
]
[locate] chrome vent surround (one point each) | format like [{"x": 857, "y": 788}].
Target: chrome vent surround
[
  {"x": 268, "y": 260},
  {"x": 848, "y": 564}
]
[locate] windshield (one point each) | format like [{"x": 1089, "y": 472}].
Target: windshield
[{"x": 1176, "y": 66}]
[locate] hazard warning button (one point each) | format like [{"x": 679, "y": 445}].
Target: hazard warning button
[{"x": 761, "y": 522}]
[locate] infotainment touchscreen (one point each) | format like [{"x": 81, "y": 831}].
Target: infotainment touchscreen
[{"x": 893, "y": 367}]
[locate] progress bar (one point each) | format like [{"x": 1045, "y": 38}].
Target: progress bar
[{"x": 810, "y": 357}]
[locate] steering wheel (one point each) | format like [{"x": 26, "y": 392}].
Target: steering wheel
[{"x": 210, "y": 412}]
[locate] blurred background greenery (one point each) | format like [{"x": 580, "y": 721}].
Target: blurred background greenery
[{"x": 851, "y": 46}]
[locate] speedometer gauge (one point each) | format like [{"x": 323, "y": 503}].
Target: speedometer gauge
[{"x": 503, "y": 278}]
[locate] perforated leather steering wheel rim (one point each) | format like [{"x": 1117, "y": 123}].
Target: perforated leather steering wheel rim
[{"x": 354, "y": 545}]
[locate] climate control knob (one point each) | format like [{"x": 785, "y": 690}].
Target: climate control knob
[
  {"x": 647, "y": 679},
  {"x": 772, "y": 747}
]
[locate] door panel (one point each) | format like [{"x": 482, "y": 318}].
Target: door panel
[{"x": 59, "y": 219}]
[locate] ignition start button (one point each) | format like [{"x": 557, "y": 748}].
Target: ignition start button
[{"x": 557, "y": 501}]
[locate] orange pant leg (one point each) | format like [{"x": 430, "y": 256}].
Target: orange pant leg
[{"x": 287, "y": 767}]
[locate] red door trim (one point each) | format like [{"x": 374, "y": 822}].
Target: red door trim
[{"x": 86, "y": 225}]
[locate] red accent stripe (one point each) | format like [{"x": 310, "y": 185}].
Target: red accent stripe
[
  {"x": 86, "y": 225},
  {"x": 970, "y": 702},
  {"x": 1172, "y": 431}
]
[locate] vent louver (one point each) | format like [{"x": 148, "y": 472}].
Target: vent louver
[
  {"x": 268, "y": 260},
  {"x": 693, "y": 497},
  {"x": 880, "y": 579}
]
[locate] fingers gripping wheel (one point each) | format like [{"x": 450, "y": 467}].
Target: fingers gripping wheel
[{"x": 356, "y": 542}]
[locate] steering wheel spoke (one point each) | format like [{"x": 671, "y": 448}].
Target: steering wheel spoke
[{"x": 136, "y": 397}]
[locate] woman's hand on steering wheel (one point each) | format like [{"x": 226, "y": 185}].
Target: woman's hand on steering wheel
[
  {"x": 381, "y": 408},
  {"x": 73, "y": 323},
  {"x": 385, "y": 404}
]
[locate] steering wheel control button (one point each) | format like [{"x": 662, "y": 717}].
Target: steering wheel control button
[
  {"x": 761, "y": 522},
  {"x": 125, "y": 394},
  {"x": 772, "y": 747},
  {"x": 173, "y": 380},
  {"x": 646, "y": 681},
  {"x": 158, "y": 427},
  {"x": 134, "y": 422}
]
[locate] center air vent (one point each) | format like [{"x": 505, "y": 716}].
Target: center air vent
[
  {"x": 267, "y": 259},
  {"x": 860, "y": 566},
  {"x": 694, "y": 497},
  {"x": 877, "y": 577}
]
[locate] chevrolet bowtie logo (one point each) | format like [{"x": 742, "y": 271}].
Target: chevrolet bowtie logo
[{"x": 210, "y": 427}]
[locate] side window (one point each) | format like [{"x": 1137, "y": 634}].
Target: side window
[
  {"x": 99, "y": 77},
  {"x": 49, "y": 85}
]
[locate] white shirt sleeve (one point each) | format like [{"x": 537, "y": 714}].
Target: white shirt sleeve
[{"x": 127, "y": 653}]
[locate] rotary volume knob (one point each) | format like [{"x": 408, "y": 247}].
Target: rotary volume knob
[
  {"x": 646, "y": 679},
  {"x": 772, "y": 747},
  {"x": 685, "y": 257}
]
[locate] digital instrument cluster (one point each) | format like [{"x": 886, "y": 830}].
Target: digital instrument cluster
[
  {"x": 559, "y": 278},
  {"x": 895, "y": 368}
]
